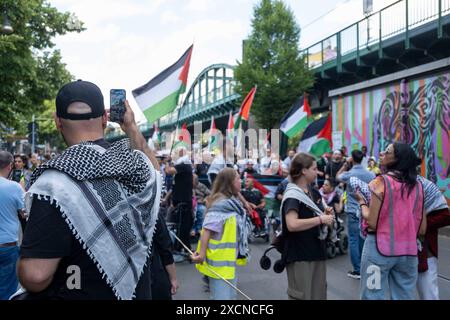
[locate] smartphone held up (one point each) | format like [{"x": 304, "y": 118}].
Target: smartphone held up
[{"x": 117, "y": 102}]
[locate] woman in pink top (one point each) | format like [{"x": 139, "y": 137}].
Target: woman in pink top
[{"x": 395, "y": 217}]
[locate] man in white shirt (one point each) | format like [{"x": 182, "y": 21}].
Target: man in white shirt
[
  {"x": 266, "y": 162},
  {"x": 287, "y": 162}
]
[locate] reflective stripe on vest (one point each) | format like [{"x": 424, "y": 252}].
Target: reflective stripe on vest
[{"x": 221, "y": 254}]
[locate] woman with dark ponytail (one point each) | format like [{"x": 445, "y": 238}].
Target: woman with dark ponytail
[
  {"x": 396, "y": 218},
  {"x": 405, "y": 168}
]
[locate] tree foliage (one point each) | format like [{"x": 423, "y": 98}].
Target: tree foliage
[
  {"x": 31, "y": 71},
  {"x": 272, "y": 61},
  {"x": 47, "y": 127}
]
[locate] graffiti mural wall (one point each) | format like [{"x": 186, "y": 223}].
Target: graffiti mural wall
[{"x": 416, "y": 112}]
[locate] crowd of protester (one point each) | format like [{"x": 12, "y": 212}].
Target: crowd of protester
[{"x": 125, "y": 216}]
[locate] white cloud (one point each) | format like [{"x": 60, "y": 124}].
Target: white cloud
[
  {"x": 345, "y": 14},
  {"x": 168, "y": 17},
  {"x": 198, "y": 5},
  {"x": 128, "y": 42},
  {"x": 94, "y": 13}
]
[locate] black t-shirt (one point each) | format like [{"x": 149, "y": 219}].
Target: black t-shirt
[
  {"x": 161, "y": 257},
  {"x": 332, "y": 168},
  {"x": 201, "y": 169},
  {"x": 48, "y": 236},
  {"x": 334, "y": 201},
  {"x": 321, "y": 164},
  {"x": 251, "y": 171},
  {"x": 302, "y": 245},
  {"x": 182, "y": 189},
  {"x": 252, "y": 196}
]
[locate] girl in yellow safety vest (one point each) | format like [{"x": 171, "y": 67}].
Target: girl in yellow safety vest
[{"x": 223, "y": 241}]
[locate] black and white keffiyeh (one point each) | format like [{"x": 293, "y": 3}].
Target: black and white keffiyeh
[
  {"x": 110, "y": 200},
  {"x": 222, "y": 210},
  {"x": 295, "y": 192}
]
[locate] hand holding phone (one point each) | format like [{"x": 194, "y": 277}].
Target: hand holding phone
[
  {"x": 117, "y": 100},
  {"x": 16, "y": 175}
]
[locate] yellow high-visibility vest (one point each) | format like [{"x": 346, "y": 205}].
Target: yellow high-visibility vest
[{"x": 221, "y": 254}]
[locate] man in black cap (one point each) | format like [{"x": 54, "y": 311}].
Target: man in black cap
[{"x": 92, "y": 209}]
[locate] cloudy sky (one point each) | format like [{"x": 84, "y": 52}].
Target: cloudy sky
[{"x": 128, "y": 42}]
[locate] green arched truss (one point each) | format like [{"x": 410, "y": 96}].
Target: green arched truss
[{"x": 212, "y": 93}]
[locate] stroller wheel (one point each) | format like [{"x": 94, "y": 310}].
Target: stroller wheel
[
  {"x": 250, "y": 235},
  {"x": 343, "y": 244},
  {"x": 331, "y": 250}
]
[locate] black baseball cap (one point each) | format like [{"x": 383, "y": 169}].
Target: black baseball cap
[{"x": 80, "y": 91}]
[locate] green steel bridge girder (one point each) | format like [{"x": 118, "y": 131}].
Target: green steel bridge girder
[
  {"x": 420, "y": 33},
  {"x": 211, "y": 94},
  {"x": 214, "y": 109}
]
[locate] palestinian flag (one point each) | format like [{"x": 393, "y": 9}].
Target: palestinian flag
[
  {"x": 160, "y": 95},
  {"x": 212, "y": 136},
  {"x": 297, "y": 118},
  {"x": 244, "y": 112},
  {"x": 257, "y": 184},
  {"x": 230, "y": 127},
  {"x": 156, "y": 137},
  {"x": 317, "y": 137},
  {"x": 184, "y": 138},
  {"x": 267, "y": 185}
]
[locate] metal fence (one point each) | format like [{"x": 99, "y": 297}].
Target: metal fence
[{"x": 395, "y": 19}]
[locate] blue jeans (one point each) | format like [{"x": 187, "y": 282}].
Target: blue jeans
[
  {"x": 383, "y": 277},
  {"x": 8, "y": 277},
  {"x": 355, "y": 242},
  {"x": 220, "y": 290},
  {"x": 199, "y": 214}
]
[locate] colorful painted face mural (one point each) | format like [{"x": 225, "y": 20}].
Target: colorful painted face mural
[{"x": 415, "y": 112}]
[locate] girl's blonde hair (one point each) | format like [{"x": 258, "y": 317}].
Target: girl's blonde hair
[{"x": 223, "y": 186}]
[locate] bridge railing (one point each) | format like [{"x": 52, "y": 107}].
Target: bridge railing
[
  {"x": 200, "y": 104},
  {"x": 205, "y": 101},
  {"x": 170, "y": 119},
  {"x": 399, "y": 17}
]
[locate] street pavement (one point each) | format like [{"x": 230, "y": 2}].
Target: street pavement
[{"x": 260, "y": 284}]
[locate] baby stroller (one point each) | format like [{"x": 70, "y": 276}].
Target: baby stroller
[
  {"x": 339, "y": 243},
  {"x": 265, "y": 262},
  {"x": 173, "y": 223},
  {"x": 257, "y": 227}
]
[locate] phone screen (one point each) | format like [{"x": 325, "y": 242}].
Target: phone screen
[
  {"x": 16, "y": 175},
  {"x": 117, "y": 100}
]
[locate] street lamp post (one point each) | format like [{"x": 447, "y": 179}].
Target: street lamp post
[
  {"x": 33, "y": 131},
  {"x": 33, "y": 135},
  {"x": 6, "y": 25}
]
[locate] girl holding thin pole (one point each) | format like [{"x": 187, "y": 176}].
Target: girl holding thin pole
[{"x": 223, "y": 241}]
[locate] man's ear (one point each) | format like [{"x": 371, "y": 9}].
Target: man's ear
[{"x": 57, "y": 122}]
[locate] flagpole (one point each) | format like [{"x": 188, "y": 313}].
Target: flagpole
[
  {"x": 176, "y": 126},
  {"x": 226, "y": 281}
]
